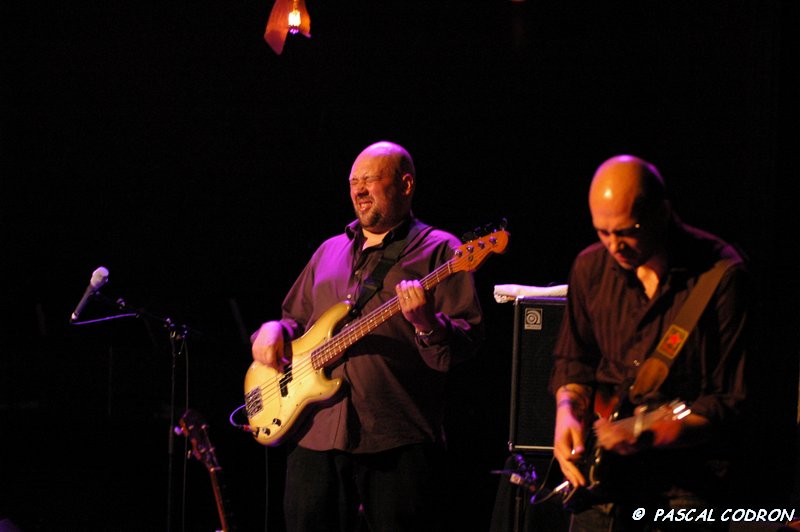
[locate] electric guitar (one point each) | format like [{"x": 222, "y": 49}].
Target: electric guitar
[
  {"x": 597, "y": 464},
  {"x": 193, "y": 427},
  {"x": 275, "y": 400}
]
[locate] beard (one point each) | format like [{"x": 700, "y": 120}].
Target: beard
[
  {"x": 370, "y": 219},
  {"x": 384, "y": 211}
]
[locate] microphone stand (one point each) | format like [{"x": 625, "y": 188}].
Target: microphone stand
[{"x": 176, "y": 333}]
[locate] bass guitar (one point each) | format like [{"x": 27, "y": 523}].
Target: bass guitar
[
  {"x": 275, "y": 400},
  {"x": 597, "y": 464},
  {"x": 195, "y": 428}
]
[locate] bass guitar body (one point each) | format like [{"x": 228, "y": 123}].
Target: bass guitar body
[{"x": 274, "y": 399}]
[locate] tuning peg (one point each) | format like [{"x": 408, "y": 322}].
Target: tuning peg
[
  {"x": 469, "y": 236},
  {"x": 484, "y": 230}
]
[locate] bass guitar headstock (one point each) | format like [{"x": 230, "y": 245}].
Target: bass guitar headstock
[
  {"x": 478, "y": 245},
  {"x": 484, "y": 230}
]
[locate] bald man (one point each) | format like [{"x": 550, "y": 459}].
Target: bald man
[
  {"x": 378, "y": 445},
  {"x": 624, "y": 292}
]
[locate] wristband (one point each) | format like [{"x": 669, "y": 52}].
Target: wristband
[{"x": 566, "y": 402}]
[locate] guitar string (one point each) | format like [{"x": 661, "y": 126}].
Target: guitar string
[
  {"x": 358, "y": 329},
  {"x": 342, "y": 341}
]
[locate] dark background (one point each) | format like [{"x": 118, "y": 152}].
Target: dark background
[{"x": 167, "y": 142}]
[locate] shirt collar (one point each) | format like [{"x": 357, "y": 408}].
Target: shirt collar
[{"x": 400, "y": 231}]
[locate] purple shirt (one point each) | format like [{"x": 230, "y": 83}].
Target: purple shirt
[{"x": 394, "y": 388}]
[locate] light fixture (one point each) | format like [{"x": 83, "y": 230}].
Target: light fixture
[{"x": 287, "y": 16}]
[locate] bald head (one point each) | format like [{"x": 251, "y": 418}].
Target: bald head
[
  {"x": 393, "y": 156},
  {"x": 627, "y": 182},
  {"x": 629, "y": 209}
]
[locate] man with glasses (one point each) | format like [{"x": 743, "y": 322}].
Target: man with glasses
[
  {"x": 379, "y": 444},
  {"x": 624, "y": 293}
]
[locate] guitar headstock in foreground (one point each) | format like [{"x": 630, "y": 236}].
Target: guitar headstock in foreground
[{"x": 195, "y": 429}]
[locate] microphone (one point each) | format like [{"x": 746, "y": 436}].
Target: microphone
[{"x": 99, "y": 278}]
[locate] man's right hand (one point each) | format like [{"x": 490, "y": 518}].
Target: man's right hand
[
  {"x": 572, "y": 402},
  {"x": 268, "y": 345},
  {"x": 568, "y": 445}
]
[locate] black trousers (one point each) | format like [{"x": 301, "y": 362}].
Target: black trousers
[{"x": 396, "y": 490}]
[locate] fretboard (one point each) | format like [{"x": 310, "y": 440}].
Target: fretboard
[{"x": 333, "y": 349}]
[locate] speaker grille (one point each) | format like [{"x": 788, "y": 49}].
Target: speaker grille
[{"x": 536, "y": 325}]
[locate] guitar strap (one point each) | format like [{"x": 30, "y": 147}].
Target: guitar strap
[
  {"x": 654, "y": 371},
  {"x": 374, "y": 282}
]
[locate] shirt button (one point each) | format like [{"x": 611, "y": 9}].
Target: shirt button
[{"x": 349, "y": 296}]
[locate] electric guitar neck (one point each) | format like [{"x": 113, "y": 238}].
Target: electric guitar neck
[{"x": 195, "y": 428}]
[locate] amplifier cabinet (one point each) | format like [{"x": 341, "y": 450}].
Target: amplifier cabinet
[{"x": 537, "y": 321}]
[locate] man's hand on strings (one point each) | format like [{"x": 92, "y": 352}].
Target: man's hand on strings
[
  {"x": 269, "y": 347},
  {"x": 416, "y": 307}
]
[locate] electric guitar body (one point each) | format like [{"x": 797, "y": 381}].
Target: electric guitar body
[{"x": 601, "y": 468}]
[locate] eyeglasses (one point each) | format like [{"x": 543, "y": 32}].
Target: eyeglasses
[
  {"x": 355, "y": 182},
  {"x": 625, "y": 232}
]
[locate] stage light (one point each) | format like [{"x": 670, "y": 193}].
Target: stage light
[
  {"x": 295, "y": 19},
  {"x": 287, "y": 16}
]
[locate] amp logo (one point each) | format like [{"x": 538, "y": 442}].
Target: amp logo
[{"x": 533, "y": 319}]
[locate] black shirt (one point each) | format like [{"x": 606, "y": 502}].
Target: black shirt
[{"x": 611, "y": 326}]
